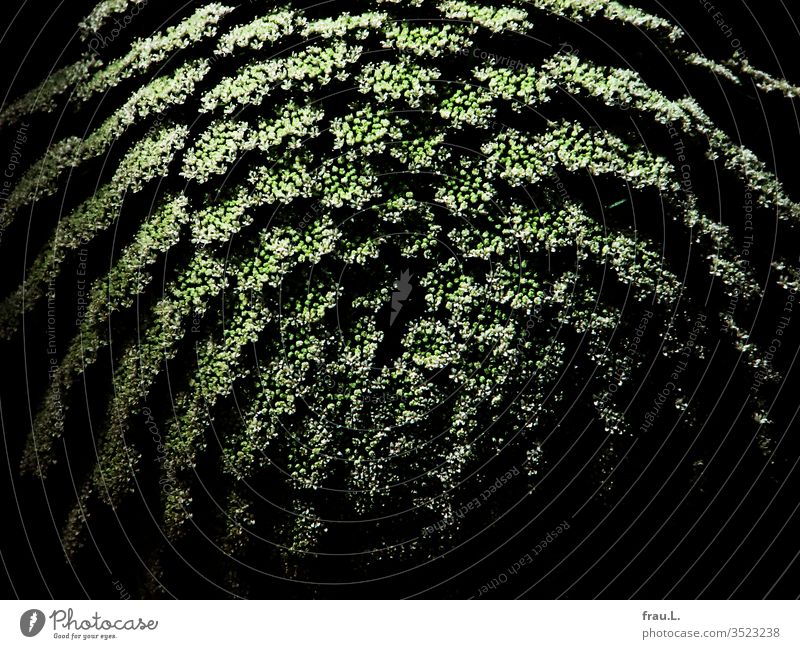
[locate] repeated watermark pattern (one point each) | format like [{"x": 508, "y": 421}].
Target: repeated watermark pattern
[
  {"x": 718, "y": 17},
  {"x": 102, "y": 41},
  {"x": 680, "y": 367},
  {"x": 525, "y": 560},
  {"x": 631, "y": 355},
  {"x": 10, "y": 171},
  {"x": 473, "y": 505}
]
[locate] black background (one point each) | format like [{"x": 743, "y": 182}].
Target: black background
[{"x": 609, "y": 551}]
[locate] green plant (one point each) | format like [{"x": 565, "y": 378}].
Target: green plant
[{"x": 284, "y": 170}]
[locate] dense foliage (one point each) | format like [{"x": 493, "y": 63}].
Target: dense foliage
[{"x": 268, "y": 179}]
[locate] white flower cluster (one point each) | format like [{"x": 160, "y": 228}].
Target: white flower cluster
[{"x": 388, "y": 278}]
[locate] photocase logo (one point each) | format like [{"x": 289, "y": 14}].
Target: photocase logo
[
  {"x": 31, "y": 622},
  {"x": 402, "y": 289}
]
